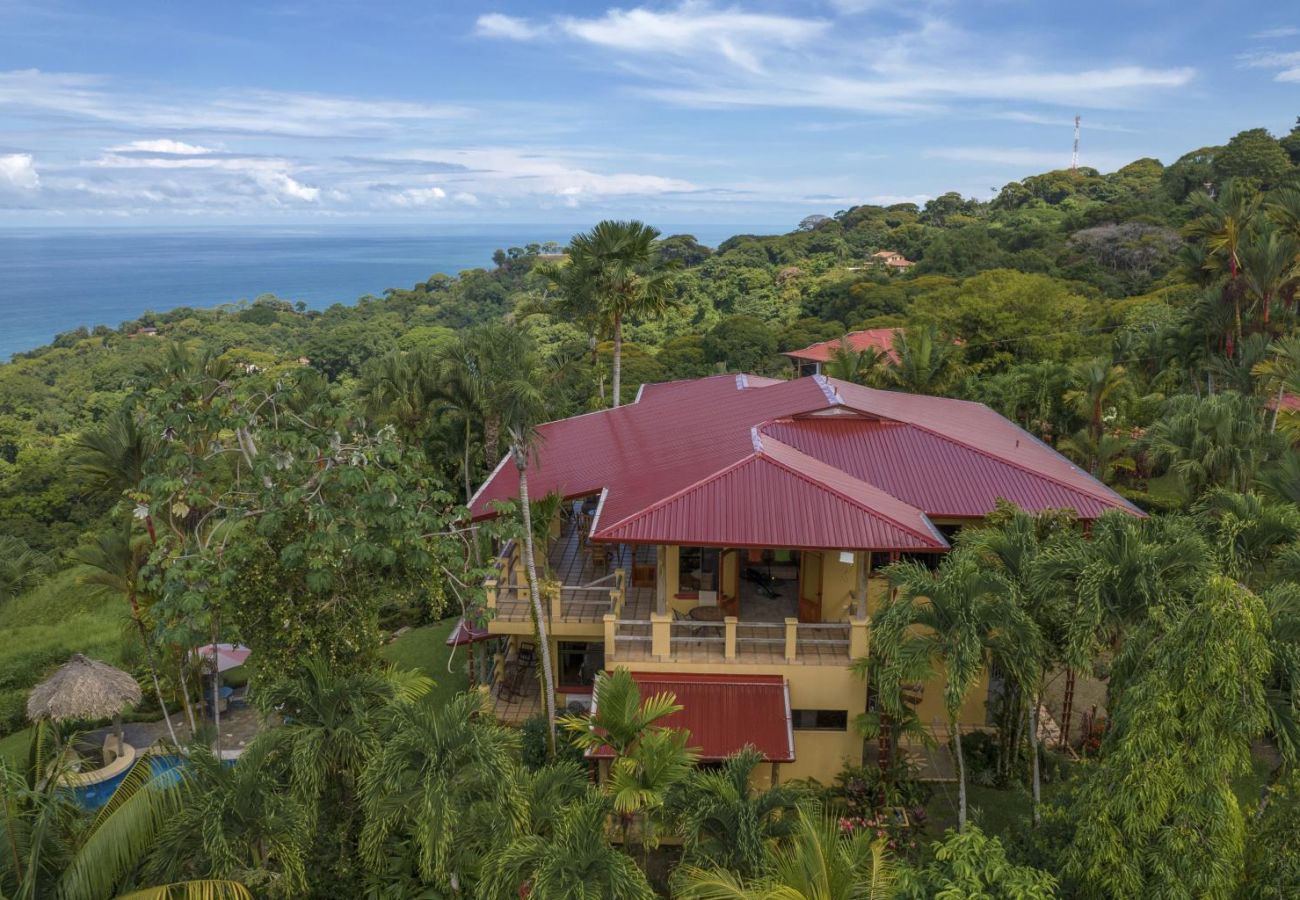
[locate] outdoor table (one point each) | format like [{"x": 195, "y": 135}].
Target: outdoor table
[{"x": 707, "y": 614}]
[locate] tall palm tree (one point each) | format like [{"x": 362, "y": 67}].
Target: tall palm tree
[
  {"x": 925, "y": 361},
  {"x": 1270, "y": 263},
  {"x": 1104, "y": 455},
  {"x": 520, "y": 406},
  {"x": 819, "y": 861},
  {"x": 575, "y": 862},
  {"x": 460, "y": 395},
  {"x": 113, "y": 460},
  {"x": 614, "y": 273},
  {"x": 726, "y": 823},
  {"x": 1223, "y": 225},
  {"x": 437, "y": 769},
  {"x": 1245, "y": 532},
  {"x": 958, "y": 620},
  {"x": 113, "y": 561},
  {"x": 1096, "y": 384}
]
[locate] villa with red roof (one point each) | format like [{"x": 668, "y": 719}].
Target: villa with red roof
[{"x": 722, "y": 539}]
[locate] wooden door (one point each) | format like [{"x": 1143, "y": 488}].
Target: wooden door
[{"x": 810, "y": 586}]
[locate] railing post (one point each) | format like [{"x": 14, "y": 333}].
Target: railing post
[
  {"x": 859, "y": 637},
  {"x": 490, "y": 586},
  {"x": 661, "y": 642},
  {"x": 730, "y": 623},
  {"x": 791, "y": 639},
  {"x": 616, "y": 603},
  {"x": 555, "y": 594},
  {"x": 611, "y": 628}
]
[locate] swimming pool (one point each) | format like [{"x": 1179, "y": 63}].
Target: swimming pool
[{"x": 93, "y": 796}]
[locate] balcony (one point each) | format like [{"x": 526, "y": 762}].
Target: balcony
[
  {"x": 593, "y": 583},
  {"x": 789, "y": 642}
]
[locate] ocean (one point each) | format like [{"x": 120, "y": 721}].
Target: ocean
[{"x": 56, "y": 279}]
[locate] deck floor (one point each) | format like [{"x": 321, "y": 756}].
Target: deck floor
[{"x": 571, "y": 561}]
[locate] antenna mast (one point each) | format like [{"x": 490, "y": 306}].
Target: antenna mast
[{"x": 1074, "y": 159}]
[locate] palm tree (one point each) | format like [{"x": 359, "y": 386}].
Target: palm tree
[
  {"x": 1269, "y": 266},
  {"x": 519, "y": 405},
  {"x": 1244, "y": 532},
  {"x": 1280, "y": 372},
  {"x": 1126, "y": 566},
  {"x": 113, "y": 562},
  {"x": 819, "y": 861},
  {"x": 727, "y": 824},
  {"x": 21, "y": 567},
  {"x": 48, "y": 847},
  {"x": 400, "y": 388},
  {"x": 1280, "y": 479},
  {"x": 575, "y": 862},
  {"x": 1214, "y": 441},
  {"x": 620, "y": 717},
  {"x": 649, "y": 760},
  {"x": 856, "y": 366},
  {"x": 1223, "y": 226},
  {"x": 331, "y": 728},
  {"x": 960, "y": 619},
  {"x": 614, "y": 273},
  {"x": 924, "y": 361},
  {"x": 234, "y": 823},
  {"x": 1095, "y": 385},
  {"x": 437, "y": 769},
  {"x": 113, "y": 460},
  {"x": 1104, "y": 455},
  {"x": 460, "y": 394}
]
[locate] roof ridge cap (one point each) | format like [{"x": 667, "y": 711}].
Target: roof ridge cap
[{"x": 662, "y": 501}]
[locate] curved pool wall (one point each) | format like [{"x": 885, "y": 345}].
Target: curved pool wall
[{"x": 93, "y": 796}]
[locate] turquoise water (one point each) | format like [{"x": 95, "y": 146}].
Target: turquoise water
[
  {"x": 96, "y": 795},
  {"x": 53, "y": 280}
]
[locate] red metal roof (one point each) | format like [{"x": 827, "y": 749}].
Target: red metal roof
[
  {"x": 723, "y": 713},
  {"x": 824, "y": 351},
  {"x": 802, "y": 463}
]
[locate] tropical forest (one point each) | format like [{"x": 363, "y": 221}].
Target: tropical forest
[{"x": 290, "y": 487}]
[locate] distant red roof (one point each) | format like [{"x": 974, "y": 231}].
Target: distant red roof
[
  {"x": 736, "y": 461},
  {"x": 872, "y": 338},
  {"x": 723, "y": 713}
]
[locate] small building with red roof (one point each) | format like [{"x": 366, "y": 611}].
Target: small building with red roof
[
  {"x": 736, "y": 526},
  {"x": 812, "y": 359}
]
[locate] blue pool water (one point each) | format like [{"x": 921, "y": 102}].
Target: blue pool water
[{"x": 96, "y": 795}]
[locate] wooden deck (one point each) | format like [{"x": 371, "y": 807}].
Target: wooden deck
[{"x": 585, "y": 584}]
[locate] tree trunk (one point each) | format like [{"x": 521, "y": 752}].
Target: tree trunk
[
  {"x": 153, "y": 665},
  {"x": 469, "y": 485},
  {"x": 535, "y": 595},
  {"x": 216, "y": 692},
  {"x": 1277, "y": 407},
  {"x": 618, "y": 362},
  {"x": 961, "y": 774},
  {"x": 1036, "y": 783},
  {"x": 184, "y": 686}
]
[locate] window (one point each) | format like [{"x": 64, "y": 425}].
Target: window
[
  {"x": 697, "y": 569},
  {"x": 819, "y": 719},
  {"x": 579, "y": 661}
]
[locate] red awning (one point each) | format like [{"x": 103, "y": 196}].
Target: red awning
[
  {"x": 723, "y": 713},
  {"x": 467, "y": 633}
]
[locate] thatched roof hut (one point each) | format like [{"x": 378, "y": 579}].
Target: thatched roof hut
[{"x": 82, "y": 688}]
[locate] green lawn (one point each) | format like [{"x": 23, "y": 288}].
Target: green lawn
[
  {"x": 13, "y": 749},
  {"x": 424, "y": 648}
]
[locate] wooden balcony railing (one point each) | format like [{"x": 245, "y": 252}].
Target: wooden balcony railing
[{"x": 663, "y": 638}]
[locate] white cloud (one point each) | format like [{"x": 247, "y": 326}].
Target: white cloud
[
  {"x": 466, "y": 198},
  {"x": 1287, "y": 64},
  {"x": 499, "y": 25},
  {"x": 18, "y": 174},
  {"x": 228, "y": 111},
  {"x": 696, "y": 29},
  {"x": 283, "y": 185},
  {"x": 163, "y": 145},
  {"x": 418, "y": 196}
]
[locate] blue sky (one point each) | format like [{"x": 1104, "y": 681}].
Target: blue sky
[{"x": 158, "y": 113}]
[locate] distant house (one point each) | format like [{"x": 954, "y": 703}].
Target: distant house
[
  {"x": 811, "y": 359},
  {"x": 892, "y": 259},
  {"x": 147, "y": 331}
]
